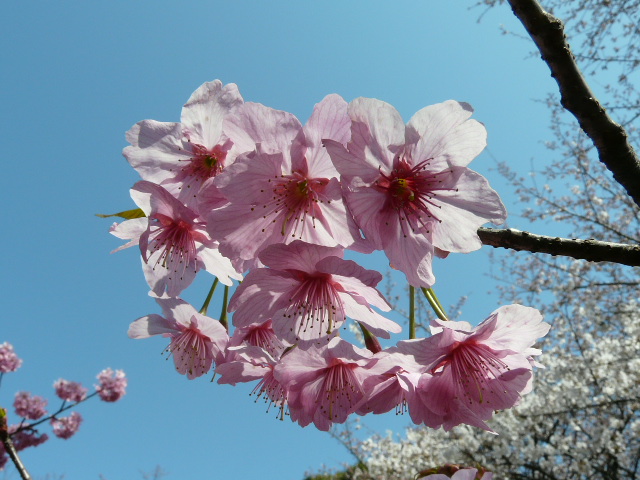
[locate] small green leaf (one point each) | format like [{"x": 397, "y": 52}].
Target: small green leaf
[{"x": 128, "y": 214}]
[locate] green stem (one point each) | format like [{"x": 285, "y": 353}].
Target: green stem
[
  {"x": 435, "y": 303},
  {"x": 205, "y": 305},
  {"x": 223, "y": 313},
  {"x": 412, "y": 312}
]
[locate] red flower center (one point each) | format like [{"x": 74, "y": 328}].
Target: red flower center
[
  {"x": 294, "y": 201},
  {"x": 411, "y": 193}
]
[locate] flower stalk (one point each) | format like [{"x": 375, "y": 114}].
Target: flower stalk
[
  {"x": 205, "y": 305},
  {"x": 437, "y": 307},
  {"x": 223, "y": 313},
  {"x": 412, "y": 312}
]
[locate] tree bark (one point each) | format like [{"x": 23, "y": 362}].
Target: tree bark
[
  {"x": 591, "y": 250},
  {"x": 609, "y": 138}
]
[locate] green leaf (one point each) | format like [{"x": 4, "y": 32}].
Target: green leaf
[{"x": 128, "y": 214}]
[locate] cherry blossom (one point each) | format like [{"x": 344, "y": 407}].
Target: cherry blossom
[
  {"x": 70, "y": 391},
  {"x": 9, "y": 361},
  {"x": 249, "y": 363},
  {"x": 278, "y": 196},
  {"x": 259, "y": 335},
  {"x": 454, "y": 472},
  {"x": 29, "y": 406},
  {"x": 26, "y": 438},
  {"x": 324, "y": 384},
  {"x": 173, "y": 242},
  {"x": 66, "y": 427},
  {"x": 308, "y": 292},
  {"x": 112, "y": 385},
  {"x": 473, "y": 371},
  {"x": 182, "y": 156},
  {"x": 391, "y": 383},
  {"x": 409, "y": 187},
  {"x": 196, "y": 340}
]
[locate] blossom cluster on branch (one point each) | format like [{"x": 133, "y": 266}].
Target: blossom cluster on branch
[
  {"x": 32, "y": 409},
  {"x": 244, "y": 191}
]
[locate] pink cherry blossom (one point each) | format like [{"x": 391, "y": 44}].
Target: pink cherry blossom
[
  {"x": 454, "y": 472},
  {"x": 29, "y": 406},
  {"x": 182, "y": 156},
  {"x": 112, "y": 385},
  {"x": 9, "y": 361},
  {"x": 173, "y": 242},
  {"x": 196, "y": 340},
  {"x": 259, "y": 335},
  {"x": 278, "y": 196},
  {"x": 473, "y": 371},
  {"x": 324, "y": 384},
  {"x": 391, "y": 383},
  {"x": 308, "y": 292},
  {"x": 409, "y": 187},
  {"x": 26, "y": 438},
  {"x": 70, "y": 391},
  {"x": 66, "y": 427},
  {"x": 249, "y": 363}
]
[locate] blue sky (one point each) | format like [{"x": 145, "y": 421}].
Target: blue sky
[{"x": 76, "y": 75}]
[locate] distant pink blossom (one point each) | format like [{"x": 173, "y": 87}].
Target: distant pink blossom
[
  {"x": 324, "y": 384},
  {"x": 308, "y": 292},
  {"x": 29, "y": 406},
  {"x": 278, "y": 196},
  {"x": 196, "y": 340},
  {"x": 26, "y": 438},
  {"x": 112, "y": 385},
  {"x": 474, "y": 371},
  {"x": 408, "y": 186},
  {"x": 173, "y": 242},
  {"x": 66, "y": 427},
  {"x": 182, "y": 156},
  {"x": 9, "y": 361},
  {"x": 70, "y": 391}
]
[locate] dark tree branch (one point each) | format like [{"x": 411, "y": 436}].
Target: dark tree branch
[
  {"x": 609, "y": 137},
  {"x": 591, "y": 250},
  {"x": 9, "y": 448}
]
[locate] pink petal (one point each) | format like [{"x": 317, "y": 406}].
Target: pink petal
[
  {"x": 376, "y": 127},
  {"x": 150, "y": 325},
  {"x": 298, "y": 256},
  {"x": 471, "y": 204},
  {"x": 204, "y": 112},
  {"x": 156, "y": 148},
  {"x": 446, "y": 134},
  {"x": 254, "y": 123},
  {"x": 129, "y": 230}
]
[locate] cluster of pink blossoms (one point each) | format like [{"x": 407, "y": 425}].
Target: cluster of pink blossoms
[
  {"x": 245, "y": 191},
  {"x": 31, "y": 409}
]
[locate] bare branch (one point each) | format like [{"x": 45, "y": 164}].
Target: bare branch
[
  {"x": 610, "y": 138},
  {"x": 591, "y": 250}
]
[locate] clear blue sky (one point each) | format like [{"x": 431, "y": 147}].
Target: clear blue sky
[{"x": 76, "y": 75}]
